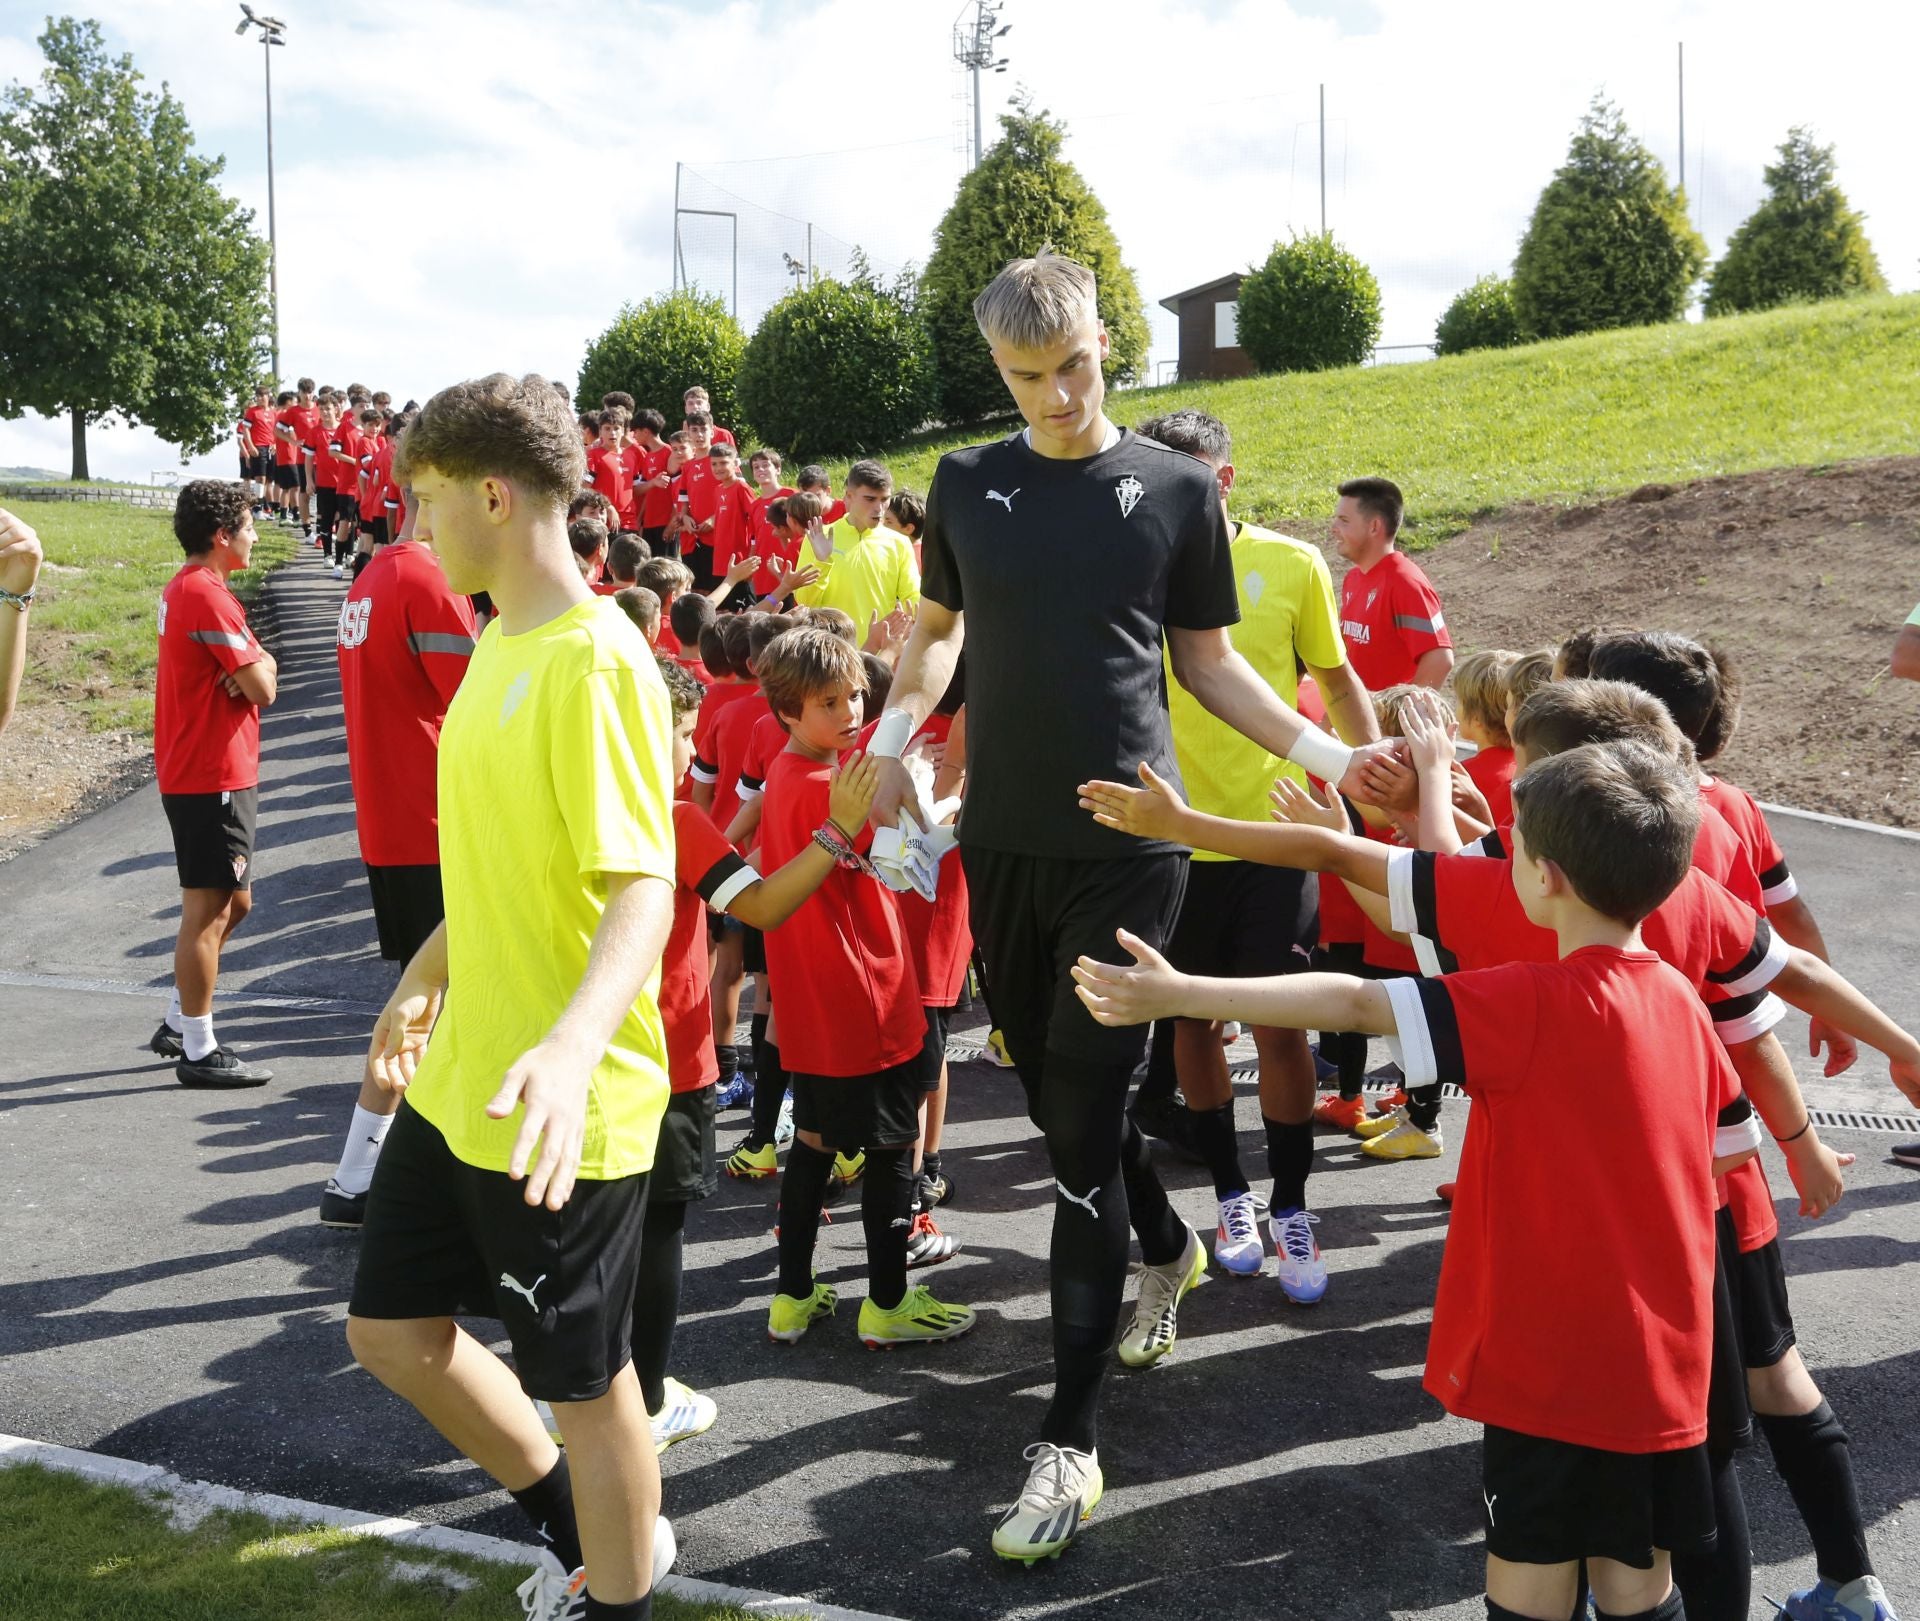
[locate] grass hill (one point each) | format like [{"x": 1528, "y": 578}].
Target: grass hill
[{"x": 1569, "y": 420}]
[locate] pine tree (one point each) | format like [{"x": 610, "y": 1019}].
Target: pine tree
[{"x": 1803, "y": 242}]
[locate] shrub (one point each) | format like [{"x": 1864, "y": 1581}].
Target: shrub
[
  {"x": 1480, "y": 317},
  {"x": 1311, "y": 306},
  {"x": 1803, "y": 242},
  {"x": 838, "y": 367},
  {"x": 658, "y": 349},
  {"x": 1609, "y": 243},
  {"x": 1023, "y": 197}
]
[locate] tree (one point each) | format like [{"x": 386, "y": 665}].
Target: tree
[
  {"x": 838, "y": 367},
  {"x": 1312, "y": 305},
  {"x": 1480, "y": 317},
  {"x": 133, "y": 285},
  {"x": 658, "y": 349},
  {"x": 1609, "y": 244},
  {"x": 1021, "y": 198},
  {"x": 1804, "y": 241}
]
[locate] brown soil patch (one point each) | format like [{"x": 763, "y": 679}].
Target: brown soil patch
[
  {"x": 53, "y": 770},
  {"x": 1804, "y": 575}
]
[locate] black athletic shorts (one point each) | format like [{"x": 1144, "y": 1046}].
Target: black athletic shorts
[
  {"x": 444, "y": 1238},
  {"x": 213, "y": 837},
  {"x": 1033, "y": 917},
  {"x": 939, "y": 1022},
  {"x": 867, "y": 1111},
  {"x": 1551, "y": 1502},
  {"x": 261, "y": 471},
  {"x": 286, "y": 476},
  {"x": 685, "y": 1164},
  {"x": 700, "y": 560},
  {"x": 1245, "y": 920},
  {"x": 1729, "y": 1410},
  {"x": 407, "y": 907},
  {"x": 246, "y": 465},
  {"x": 753, "y": 950},
  {"x": 375, "y": 529},
  {"x": 324, "y": 516},
  {"x": 655, "y": 535},
  {"x": 1758, "y": 1283}
]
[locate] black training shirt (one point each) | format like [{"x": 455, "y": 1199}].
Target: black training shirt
[{"x": 1067, "y": 571}]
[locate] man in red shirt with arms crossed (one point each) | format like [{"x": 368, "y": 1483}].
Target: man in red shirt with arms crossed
[
  {"x": 1389, "y": 612},
  {"x": 404, "y": 640},
  {"x": 1575, "y": 1311},
  {"x": 213, "y": 679}
]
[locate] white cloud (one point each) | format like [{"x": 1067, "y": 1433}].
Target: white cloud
[{"x": 463, "y": 186}]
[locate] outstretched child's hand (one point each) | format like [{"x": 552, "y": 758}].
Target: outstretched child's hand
[
  {"x": 1152, "y": 812},
  {"x": 1389, "y": 784},
  {"x": 742, "y": 568},
  {"x": 1815, "y": 1169},
  {"x": 1428, "y": 732},
  {"x": 1468, "y": 799},
  {"x": 1149, "y": 990},
  {"x": 1292, "y": 803},
  {"x": 1841, "y": 1048},
  {"x": 851, "y": 786}
]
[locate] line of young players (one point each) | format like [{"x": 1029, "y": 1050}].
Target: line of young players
[{"x": 1816, "y": 1443}]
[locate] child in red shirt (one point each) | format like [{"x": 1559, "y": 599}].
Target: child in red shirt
[
  {"x": 1480, "y": 694},
  {"x": 610, "y": 470},
  {"x": 1575, "y": 1309},
  {"x": 852, "y": 1033}
]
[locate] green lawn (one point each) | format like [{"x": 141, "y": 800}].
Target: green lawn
[
  {"x": 69, "y": 1547},
  {"x": 93, "y": 641},
  {"x": 1573, "y": 419}
]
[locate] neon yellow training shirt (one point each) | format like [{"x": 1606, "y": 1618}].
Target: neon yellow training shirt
[
  {"x": 1286, "y": 607},
  {"x": 555, "y": 770},
  {"x": 865, "y": 575}
]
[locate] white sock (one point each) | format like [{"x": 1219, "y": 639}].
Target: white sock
[
  {"x": 196, "y": 1035},
  {"x": 173, "y": 1012},
  {"x": 354, "y": 1174}
]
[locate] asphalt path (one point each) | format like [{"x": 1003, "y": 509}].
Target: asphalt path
[{"x": 165, "y": 1294}]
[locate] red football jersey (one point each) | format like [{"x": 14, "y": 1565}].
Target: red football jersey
[
  {"x": 1379, "y": 950},
  {"x": 376, "y": 462},
  {"x": 318, "y": 457},
  {"x": 842, "y": 978},
  {"x": 260, "y": 420},
  {"x": 286, "y": 450},
  {"x": 1737, "y": 808},
  {"x": 611, "y": 473},
  {"x": 765, "y": 743},
  {"x": 729, "y": 739},
  {"x": 706, "y": 757},
  {"x": 695, "y": 483},
  {"x": 657, "y": 506},
  {"x": 403, "y": 645},
  {"x": 1576, "y": 1290},
  {"x": 709, "y": 874},
  {"x": 1491, "y": 771},
  {"x": 939, "y": 937},
  {"x": 347, "y": 444},
  {"x": 732, "y": 535},
  {"x": 205, "y": 741},
  {"x": 1390, "y": 615}
]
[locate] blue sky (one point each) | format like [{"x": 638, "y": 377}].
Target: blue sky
[{"x": 464, "y": 187}]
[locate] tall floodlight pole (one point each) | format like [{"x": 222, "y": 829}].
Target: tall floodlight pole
[
  {"x": 272, "y": 33},
  {"x": 1683, "y": 117},
  {"x": 1323, "y": 160},
  {"x": 973, "y": 48}
]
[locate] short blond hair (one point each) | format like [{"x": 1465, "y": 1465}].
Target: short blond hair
[
  {"x": 1390, "y": 704},
  {"x": 1036, "y": 302},
  {"x": 1480, "y": 689}
]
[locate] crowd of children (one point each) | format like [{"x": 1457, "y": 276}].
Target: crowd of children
[{"x": 1544, "y": 866}]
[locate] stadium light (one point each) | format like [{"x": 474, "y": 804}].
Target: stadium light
[
  {"x": 272, "y": 33},
  {"x": 973, "y": 49}
]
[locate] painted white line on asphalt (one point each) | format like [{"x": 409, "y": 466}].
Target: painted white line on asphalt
[
  {"x": 1836, "y": 821},
  {"x": 203, "y": 1496},
  {"x": 123, "y": 987}
]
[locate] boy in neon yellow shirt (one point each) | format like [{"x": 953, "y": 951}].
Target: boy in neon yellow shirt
[{"x": 867, "y": 569}]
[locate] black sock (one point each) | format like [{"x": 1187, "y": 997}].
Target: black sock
[
  {"x": 1214, "y": 1138},
  {"x": 1423, "y": 1106},
  {"x": 886, "y": 1212},
  {"x": 1289, "y": 1160},
  {"x": 1350, "y": 1054},
  {"x": 656, "y": 1297},
  {"x": 1161, "y": 1077},
  {"x": 769, "y": 1089},
  {"x": 641, "y": 1609},
  {"x": 1499, "y": 1612},
  {"x": 1810, "y": 1451},
  {"x": 548, "y": 1506},
  {"x": 1718, "y": 1584},
  {"x": 729, "y": 1057},
  {"x": 1668, "y": 1609},
  {"x": 1162, "y": 1234},
  {"x": 756, "y": 1037},
  {"x": 930, "y": 1165},
  {"x": 802, "y": 1186}
]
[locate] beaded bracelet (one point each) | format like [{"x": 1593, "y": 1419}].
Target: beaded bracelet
[
  {"x": 15, "y": 601},
  {"x": 840, "y": 847}
]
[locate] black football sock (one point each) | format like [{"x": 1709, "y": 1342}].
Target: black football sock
[
  {"x": 802, "y": 1187},
  {"x": 756, "y": 1037},
  {"x": 656, "y": 1296},
  {"x": 1162, "y": 1234},
  {"x": 1668, "y": 1609},
  {"x": 1423, "y": 1106},
  {"x": 769, "y": 1089},
  {"x": 641, "y": 1609},
  {"x": 1810, "y": 1451},
  {"x": 1350, "y": 1055},
  {"x": 1157, "y": 1086},
  {"x": 930, "y": 1164},
  {"x": 548, "y": 1506},
  {"x": 1214, "y": 1138},
  {"x": 1718, "y": 1584},
  {"x": 886, "y": 1212},
  {"x": 1289, "y": 1160},
  {"x": 729, "y": 1057}
]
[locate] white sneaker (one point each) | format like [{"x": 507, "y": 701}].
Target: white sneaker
[
  {"x": 552, "y": 1592},
  {"x": 1156, "y": 1310},
  {"x": 666, "y": 1549},
  {"x": 783, "y": 1127},
  {"x": 1236, "y": 1242},
  {"x": 683, "y": 1414},
  {"x": 1229, "y": 1033},
  {"x": 339, "y": 571},
  {"x": 1063, "y": 1489},
  {"x": 1303, "y": 1275}
]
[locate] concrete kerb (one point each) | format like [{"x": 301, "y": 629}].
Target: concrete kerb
[
  {"x": 202, "y": 1497},
  {"x": 1837, "y": 821}
]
